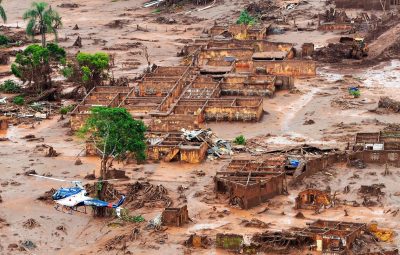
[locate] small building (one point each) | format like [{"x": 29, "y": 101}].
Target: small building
[
  {"x": 378, "y": 147},
  {"x": 175, "y": 217},
  {"x": 249, "y": 189},
  {"x": 328, "y": 237},
  {"x": 312, "y": 199},
  {"x": 172, "y": 147}
]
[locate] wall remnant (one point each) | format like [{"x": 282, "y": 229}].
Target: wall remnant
[{"x": 175, "y": 217}]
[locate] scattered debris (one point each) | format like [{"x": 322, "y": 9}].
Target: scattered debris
[
  {"x": 78, "y": 162},
  {"x": 389, "y": 104},
  {"x": 198, "y": 241},
  {"x": 31, "y": 224},
  {"x": 255, "y": 223}
]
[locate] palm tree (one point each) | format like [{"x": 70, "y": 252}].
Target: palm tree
[
  {"x": 43, "y": 20},
  {"x": 3, "y": 13}
]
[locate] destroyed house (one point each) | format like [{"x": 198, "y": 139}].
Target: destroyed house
[
  {"x": 388, "y": 140},
  {"x": 249, "y": 189},
  {"x": 312, "y": 199},
  {"x": 377, "y": 5},
  {"x": 172, "y": 147},
  {"x": 98, "y": 96},
  {"x": 329, "y": 237},
  {"x": 235, "y": 50},
  {"x": 379, "y": 147},
  {"x": 217, "y": 57},
  {"x": 172, "y": 98},
  {"x": 241, "y": 32},
  {"x": 175, "y": 217},
  {"x": 335, "y": 236},
  {"x": 274, "y": 164},
  {"x": 253, "y": 85}
]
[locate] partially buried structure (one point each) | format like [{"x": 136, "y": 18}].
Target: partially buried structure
[
  {"x": 248, "y": 183},
  {"x": 226, "y": 77}
]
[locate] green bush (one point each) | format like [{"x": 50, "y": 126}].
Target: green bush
[
  {"x": 19, "y": 100},
  {"x": 10, "y": 86},
  {"x": 128, "y": 218},
  {"x": 4, "y": 40},
  {"x": 67, "y": 72},
  {"x": 240, "y": 140},
  {"x": 66, "y": 109},
  {"x": 246, "y": 19},
  {"x": 355, "y": 93}
]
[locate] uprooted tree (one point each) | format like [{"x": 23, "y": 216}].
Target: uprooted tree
[
  {"x": 115, "y": 135},
  {"x": 34, "y": 65}
]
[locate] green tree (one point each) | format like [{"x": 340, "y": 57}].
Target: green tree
[
  {"x": 93, "y": 68},
  {"x": 3, "y": 12},
  {"x": 42, "y": 19},
  {"x": 246, "y": 19},
  {"x": 115, "y": 135},
  {"x": 34, "y": 65}
]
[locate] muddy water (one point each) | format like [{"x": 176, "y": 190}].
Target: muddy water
[{"x": 386, "y": 75}]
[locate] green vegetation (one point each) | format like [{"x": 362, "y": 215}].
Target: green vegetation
[
  {"x": 34, "y": 65},
  {"x": 43, "y": 19},
  {"x": 93, "y": 68},
  {"x": 66, "y": 109},
  {"x": 128, "y": 218},
  {"x": 115, "y": 134},
  {"x": 4, "y": 40},
  {"x": 19, "y": 100},
  {"x": 10, "y": 86},
  {"x": 246, "y": 19},
  {"x": 240, "y": 140},
  {"x": 3, "y": 13},
  {"x": 354, "y": 92},
  {"x": 67, "y": 72}
]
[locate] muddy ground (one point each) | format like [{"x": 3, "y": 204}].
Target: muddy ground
[{"x": 323, "y": 99}]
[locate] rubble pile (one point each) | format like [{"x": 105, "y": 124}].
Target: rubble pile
[
  {"x": 46, "y": 150},
  {"x": 279, "y": 241},
  {"x": 31, "y": 223},
  {"x": 389, "y": 104},
  {"x": 333, "y": 53},
  {"x": 217, "y": 147},
  {"x": 117, "y": 243},
  {"x": 255, "y": 223},
  {"x": 142, "y": 194},
  {"x": 47, "y": 196},
  {"x": 198, "y": 241}
]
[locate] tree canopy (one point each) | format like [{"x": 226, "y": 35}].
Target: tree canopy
[
  {"x": 43, "y": 19},
  {"x": 93, "y": 68},
  {"x": 115, "y": 134},
  {"x": 246, "y": 19},
  {"x": 33, "y": 65}
]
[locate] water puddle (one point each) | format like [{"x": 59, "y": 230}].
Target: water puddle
[{"x": 387, "y": 76}]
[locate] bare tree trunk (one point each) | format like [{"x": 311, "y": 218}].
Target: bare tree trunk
[{"x": 101, "y": 211}]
